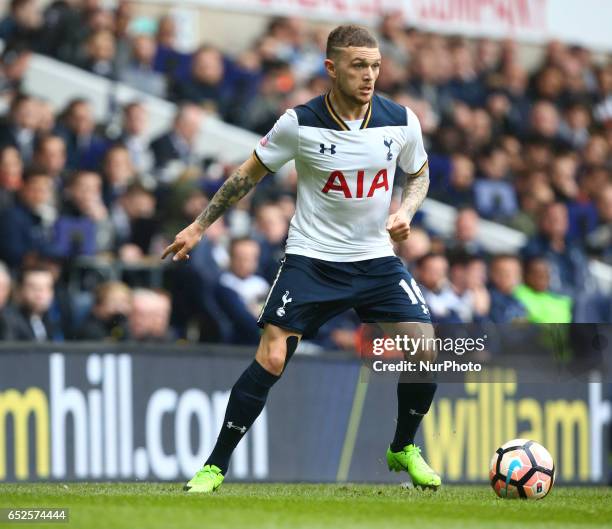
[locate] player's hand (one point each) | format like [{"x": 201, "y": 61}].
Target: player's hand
[
  {"x": 398, "y": 227},
  {"x": 184, "y": 242}
]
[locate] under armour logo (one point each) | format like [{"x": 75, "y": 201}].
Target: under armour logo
[
  {"x": 414, "y": 412},
  {"x": 331, "y": 149},
  {"x": 241, "y": 429},
  {"x": 388, "y": 143},
  {"x": 280, "y": 311}
]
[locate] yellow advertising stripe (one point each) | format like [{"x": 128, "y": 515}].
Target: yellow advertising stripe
[{"x": 352, "y": 428}]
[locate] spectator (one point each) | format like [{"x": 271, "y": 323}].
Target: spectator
[
  {"x": 109, "y": 316},
  {"x": 139, "y": 73},
  {"x": 20, "y": 129},
  {"x": 134, "y": 220},
  {"x": 174, "y": 152},
  {"x": 185, "y": 203},
  {"x": 84, "y": 227},
  {"x": 241, "y": 276},
  {"x": 535, "y": 192},
  {"x": 465, "y": 85},
  {"x": 11, "y": 175},
  {"x": 168, "y": 59},
  {"x": 392, "y": 38},
  {"x": 575, "y": 127},
  {"x": 22, "y": 24},
  {"x": 240, "y": 293},
  {"x": 582, "y": 214},
  {"x": 7, "y": 312},
  {"x": 149, "y": 318},
  {"x": 261, "y": 114},
  {"x": 545, "y": 122},
  {"x": 271, "y": 232},
  {"x": 494, "y": 195},
  {"x": 14, "y": 62},
  {"x": 100, "y": 54},
  {"x": 118, "y": 172},
  {"x": 599, "y": 240},
  {"x": 542, "y": 305},
  {"x": 459, "y": 189},
  {"x": 417, "y": 245},
  {"x": 194, "y": 293},
  {"x": 476, "y": 284},
  {"x": 134, "y": 136},
  {"x": 26, "y": 227},
  {"x": 567, "y": 265},
  {"x": 206, "y": 85},
  {"x": 122, "y": 26},
  {"x": 505, "y": 277},
  {"x": 46, "y": 117},
  {"x": 85, "y": 148},
  {"x": 471, "y": 303},
  {"x": 465, "y": 237},
  {"x": 36, "y": 321},
  {"x": 443, "y": 303},
  {"x": 64, "y": 30},
  {"x": 50, "y": 156}
]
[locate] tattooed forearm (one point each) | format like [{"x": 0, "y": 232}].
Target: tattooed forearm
[
  {"x": 234, "y": 188},
  {"x": 415, "y": 191}
]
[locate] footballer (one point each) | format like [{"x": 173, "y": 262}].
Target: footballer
[{"x": 339, "y": 255}]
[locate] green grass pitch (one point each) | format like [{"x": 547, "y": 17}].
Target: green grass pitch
[{"x": 255, "y": 506}]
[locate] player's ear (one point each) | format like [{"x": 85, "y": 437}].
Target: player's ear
[{"x": 331, "y": 68}]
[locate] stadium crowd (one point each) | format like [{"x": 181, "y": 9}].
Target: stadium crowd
[{"x": 86, "y": 207}]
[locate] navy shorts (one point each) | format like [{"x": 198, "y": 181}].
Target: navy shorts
[{"x": 307, "y": 292}]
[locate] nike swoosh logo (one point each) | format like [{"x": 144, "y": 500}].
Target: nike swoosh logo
[{"x": 515, "y": 464}]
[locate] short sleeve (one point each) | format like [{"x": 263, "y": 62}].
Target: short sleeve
[
  {"x": 279, "y": 146},
  {"x": 412, "y": 157}
]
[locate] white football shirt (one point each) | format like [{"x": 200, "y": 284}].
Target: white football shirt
[{"x": 345, "y": 175}]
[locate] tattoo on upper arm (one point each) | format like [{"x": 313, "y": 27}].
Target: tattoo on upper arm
[
  {"x": 233, "y": 189},
  {"x": 415, "y": 191}
]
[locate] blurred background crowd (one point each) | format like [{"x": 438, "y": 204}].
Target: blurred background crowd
[{"x": 86, "y": 207}]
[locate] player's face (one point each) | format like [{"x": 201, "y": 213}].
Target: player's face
[{"x": 354, "y": 72}]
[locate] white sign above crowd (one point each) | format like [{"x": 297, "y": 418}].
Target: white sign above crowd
[{"x": 536, "y": 21}]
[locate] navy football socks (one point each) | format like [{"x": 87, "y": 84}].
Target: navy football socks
[
  {"x": 413, "y": 402},
  {"x": 246, "y": 401}
]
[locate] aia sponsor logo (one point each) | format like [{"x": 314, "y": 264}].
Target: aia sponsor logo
[{"x": 337, "y": 181}]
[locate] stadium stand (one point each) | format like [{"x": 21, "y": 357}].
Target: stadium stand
[{"x": 97, "y": 173}]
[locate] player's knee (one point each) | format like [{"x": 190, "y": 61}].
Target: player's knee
[
  {"x": 273, "y": 357},
  {"x": 427, "y": 353}
]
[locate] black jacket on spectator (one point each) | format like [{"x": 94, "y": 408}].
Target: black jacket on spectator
[
  {"x": 22, "y": 232},
  {"x": 8, "y": 319},
  {"x": 8, "y": 136},
  {"x": 95, "y": 329},
  {"x": 84, "y": 154},
  {"x": 167, "y": 148},
  {"x": 21, "y": 327},
  {"x": 63, "y": 31}
]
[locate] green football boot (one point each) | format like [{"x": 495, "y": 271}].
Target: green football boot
[
  {"x": 411, "y": 460},
  {"x": 206, "y": 480}
]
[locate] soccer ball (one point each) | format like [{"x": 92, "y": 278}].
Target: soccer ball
[{"x": 522, "y": 469}]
